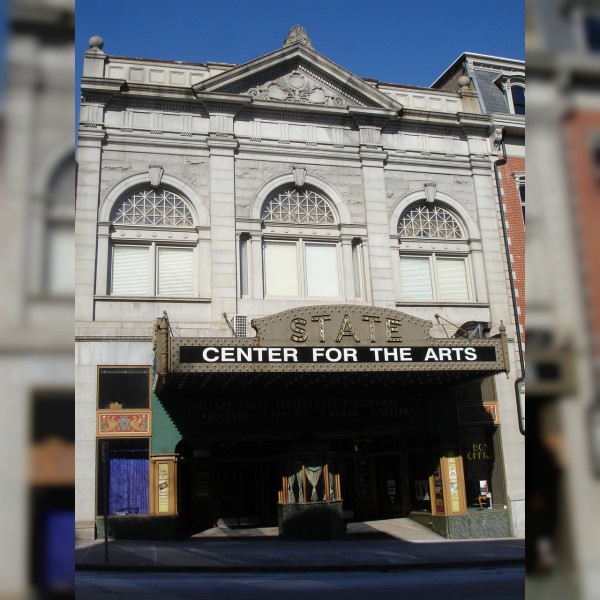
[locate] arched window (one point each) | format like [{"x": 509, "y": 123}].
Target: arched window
[
  {"x": 429, "y": 222},
  {"x": 153, "y": 240},
  {"x": 298, "y": 206},
  {"x": 153, "y": 207},
  {"x": 437, "y": 270},
  {"x": 301, "y": 245}
]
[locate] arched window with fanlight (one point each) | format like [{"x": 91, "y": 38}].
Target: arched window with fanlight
[
  {"x": 434, "y": 253},
  {"x": 153, "y": 242},
  {"x": 301, "y": 245}
]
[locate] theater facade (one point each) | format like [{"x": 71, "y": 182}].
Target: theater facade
[{"x": 292, "y": 294}]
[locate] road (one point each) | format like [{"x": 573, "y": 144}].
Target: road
[{"x": 500, "y": 583}]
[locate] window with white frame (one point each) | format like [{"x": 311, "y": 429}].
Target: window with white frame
[
  {"x": 301, "y": 245},
  {"x": 153, "y": 241},
  {"x": 520, "y": 183},
  {"x": 513, "y": 86},
  {"x": 59, "y": 248},
  {"x": 434, "y": 253}
]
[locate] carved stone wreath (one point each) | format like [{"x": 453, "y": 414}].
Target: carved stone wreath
[{"x": 296, "y": 87}]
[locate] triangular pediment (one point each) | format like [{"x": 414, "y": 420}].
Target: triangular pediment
[{"x": 296, "y": 74}]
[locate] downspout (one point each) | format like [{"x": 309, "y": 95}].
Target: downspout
[{"x": 497, "y": 162}]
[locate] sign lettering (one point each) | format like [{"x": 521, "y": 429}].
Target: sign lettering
[{"x": 344, "y": 354}]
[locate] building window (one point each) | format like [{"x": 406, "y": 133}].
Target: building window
[
  {"x": 153, "y": 243},
  {"x": 301, "y": 268},
  {"x": 301, "y": 245},
  {"x": 127, "y": 386},
  {"x": 518, "y": 98},
  {"x": 127, "y": 475},
  {"x": 59, "y": 249},
  {"x": 591, "y": 26},
  {"x": 153, "y": 207},
  {"x": 522, "y": 196},
  {"x": 513, "y": 86},
  {"x": 520, "y": 183},
  {"x": 298, "y": 206},
  {"x": 440, "y": 272},
  {"x": 426, "y": 221}
]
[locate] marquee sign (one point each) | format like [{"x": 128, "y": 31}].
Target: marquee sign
[
  {"x": 337, "y": 338},
  {"x": 327, "y": 354}
]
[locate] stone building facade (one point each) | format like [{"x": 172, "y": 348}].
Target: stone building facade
[
  {"x": 500, "y": 86},
  {"x": 214, "y": 199}
]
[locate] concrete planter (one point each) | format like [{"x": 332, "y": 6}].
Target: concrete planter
[
  {"x": 473, "y": 525},
  {"x": 311, "y": 520}
]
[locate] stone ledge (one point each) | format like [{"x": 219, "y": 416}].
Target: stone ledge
[{"x": 473, "y": 525}]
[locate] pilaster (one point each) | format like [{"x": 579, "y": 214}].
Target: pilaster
[
  {"x": 378, "y": 229},
  {"x": 222, "y": 219},
  {"x": 89, "y": 159}
]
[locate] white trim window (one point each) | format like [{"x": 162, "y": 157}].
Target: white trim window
[
  {"x": 153, "y": 246},
  {"x": 434, "y": 255},
  {"x": 301, "y": 245},
  {"x": 520, "y": 184},
  {"x": 514, "y": 92}
]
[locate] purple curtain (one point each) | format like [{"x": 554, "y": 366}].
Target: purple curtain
[{"x": 129, "y": 482}]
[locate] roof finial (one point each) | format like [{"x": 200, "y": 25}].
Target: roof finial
[
  {"x": 297, "y": 35},
  {"x": 96, "y": 42}
]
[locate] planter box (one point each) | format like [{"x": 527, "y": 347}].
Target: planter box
[{"x": 311, "y": 520}]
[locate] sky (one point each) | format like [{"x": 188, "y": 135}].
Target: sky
[{"x": 395, "y": 41}]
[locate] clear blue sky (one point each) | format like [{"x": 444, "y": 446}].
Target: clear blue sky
[{"x": 399, "y": 41}]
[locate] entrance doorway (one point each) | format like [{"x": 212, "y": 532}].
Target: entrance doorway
[
  {"x": 237, "y": 494},
  {"x": 389, "y": 485}
]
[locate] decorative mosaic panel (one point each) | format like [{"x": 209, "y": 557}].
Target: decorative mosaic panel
[{"x": 124, "y": 423}]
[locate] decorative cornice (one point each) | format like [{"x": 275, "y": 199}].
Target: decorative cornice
[
  {"x": 113, "y": 338},
  {"x": 102, "y": 85}
]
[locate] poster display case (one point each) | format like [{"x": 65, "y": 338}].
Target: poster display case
[
  {"x": 163, "y": 484},
  {"x": 447, "y": 487}
]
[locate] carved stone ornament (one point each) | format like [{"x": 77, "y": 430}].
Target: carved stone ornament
[
  {"x": 297, "y": 35},
  {"x": 299, "y": 176},
  {"x": 297, "y": 87},
  {"x": 156, "y": 173},
  {"x": 430, "y": 189}
]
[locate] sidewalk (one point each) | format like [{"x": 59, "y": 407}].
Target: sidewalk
[{"x": 370, "y": 546}]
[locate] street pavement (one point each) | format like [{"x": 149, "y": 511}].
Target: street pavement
[{"x": 388, "y": 545}]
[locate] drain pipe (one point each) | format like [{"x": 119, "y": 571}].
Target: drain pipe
[{"x": 497, "y": 162}]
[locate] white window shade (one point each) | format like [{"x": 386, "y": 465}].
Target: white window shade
[
  {"x": 281, "y": 270},
  {"x": 131, "y": 270},
  {"x": 61, "y": 259},
  {"x": 416, "y": 278},
  {"x": 452, "y": 279},
  {"x": 321, "y": 270},
  {"x": 175, "y": 272}
]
